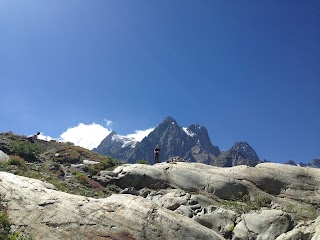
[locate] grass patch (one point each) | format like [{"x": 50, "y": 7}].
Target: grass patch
[
  {"x": 245, "y": 204},
  {"x": 17, "y": 161},
  {"x": 79, "y": 184},
  {"x": 107, "y": 163},
  {"x": 301, "y": 212}
]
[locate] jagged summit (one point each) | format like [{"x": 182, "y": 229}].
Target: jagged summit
[
  {"x": 192, "y": 143},
  {"x": 315, "y": 163},
  {"x": 241, "y": 153},
  {"x": 245, "y": 150},
  {"x": 169, "y": 120}
]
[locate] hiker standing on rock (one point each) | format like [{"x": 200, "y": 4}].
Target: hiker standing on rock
[
  {"x": 34, "y": 137},
  {"x": 156, "y": 154}
]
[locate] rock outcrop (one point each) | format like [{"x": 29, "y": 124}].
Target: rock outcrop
[
  {"x": 39, "y": 211},
  {"x": 289, "y": 188},
  {"x": 264, "y": 225},
  {"x": 176, "y": 200},
  {"x": 277, "y": 180}
]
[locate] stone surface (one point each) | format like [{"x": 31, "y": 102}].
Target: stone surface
[
  {"x": 3, "y": 157},
  {"x": 169, "y": 201},
  {"x": 264, "y": 225},
  {"x": 220, "y": 220},
  {"x": 276, "y": 180},
  {"x": 39, "y": 211},
  {"x": 194, "y": 190},
  {"x": 89, "y": 162},
  {"x": 303, "y": 231}
]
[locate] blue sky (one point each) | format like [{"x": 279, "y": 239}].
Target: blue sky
[{"x": 246, "y": 70}]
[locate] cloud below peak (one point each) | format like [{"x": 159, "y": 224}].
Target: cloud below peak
[
  {"x": 90, "y": 135},
  {"x": 87, "y": 136}
]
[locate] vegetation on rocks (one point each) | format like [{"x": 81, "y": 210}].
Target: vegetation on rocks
[
  {"x": 56, "y": 163},
  {"x": 246, "y": 204},
  {"x": 142, "y": 161},
  {"x": 27, "y": 150},
  {"x": 301, "y": 212}
]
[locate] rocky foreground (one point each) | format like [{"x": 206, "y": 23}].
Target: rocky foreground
[{"x": 173, "y": 201}]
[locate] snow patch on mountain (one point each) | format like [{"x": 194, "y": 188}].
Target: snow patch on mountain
[
  {"x": 131, "y": 140},
  {"x": 188, "y": 132}
]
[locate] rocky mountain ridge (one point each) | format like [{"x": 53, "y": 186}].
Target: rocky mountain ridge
[
  {"x": 193, "y": 144},
  {"x": 315, "y": 163}
]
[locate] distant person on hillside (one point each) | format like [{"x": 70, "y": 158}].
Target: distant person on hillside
[
  {"x": 156, "y": 154},
  {"x": 34, "y": 137}
]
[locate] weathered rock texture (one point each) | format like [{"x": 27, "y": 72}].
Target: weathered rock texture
[
  {"x": 276, "y": 180},
  {"x": 171, "y": 201},
  {"x": 39, "y": 211},
  {"x": 286, "y": 186}
]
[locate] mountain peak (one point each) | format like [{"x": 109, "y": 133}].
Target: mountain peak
[
  {"x": 169, "y": 120},
  {"x": 245, "y": 150},
  {"x": 112, "y": 133}
]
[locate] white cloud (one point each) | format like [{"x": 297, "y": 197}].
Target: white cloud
[
  {"x": 87, "y": 136},
  {"x": 108, "y": 122},
  {"x": 90, "y": 135}
]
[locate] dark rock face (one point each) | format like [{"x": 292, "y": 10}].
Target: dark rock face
[
  {"x": 240, "y": 154},
  {"x": 315, "y": 163},
  {"x": 192, "y": 144},
  {"x": 291, "y": 162},
  {"x": 112, "y": 146}
]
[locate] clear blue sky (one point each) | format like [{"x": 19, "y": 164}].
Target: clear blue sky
[{"x": 246, "y": 70}]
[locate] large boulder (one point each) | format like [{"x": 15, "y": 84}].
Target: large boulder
[
  {"x": 264, "y": 225},
  {"x": 220, "y": 220},
  {"x": 40, "y": 212}
]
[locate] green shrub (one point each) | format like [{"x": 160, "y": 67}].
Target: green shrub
[
  {"x": 27, "y": 150},
  {"x": 81, "y": 177},
  {"x": 142, "y": 161}
]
